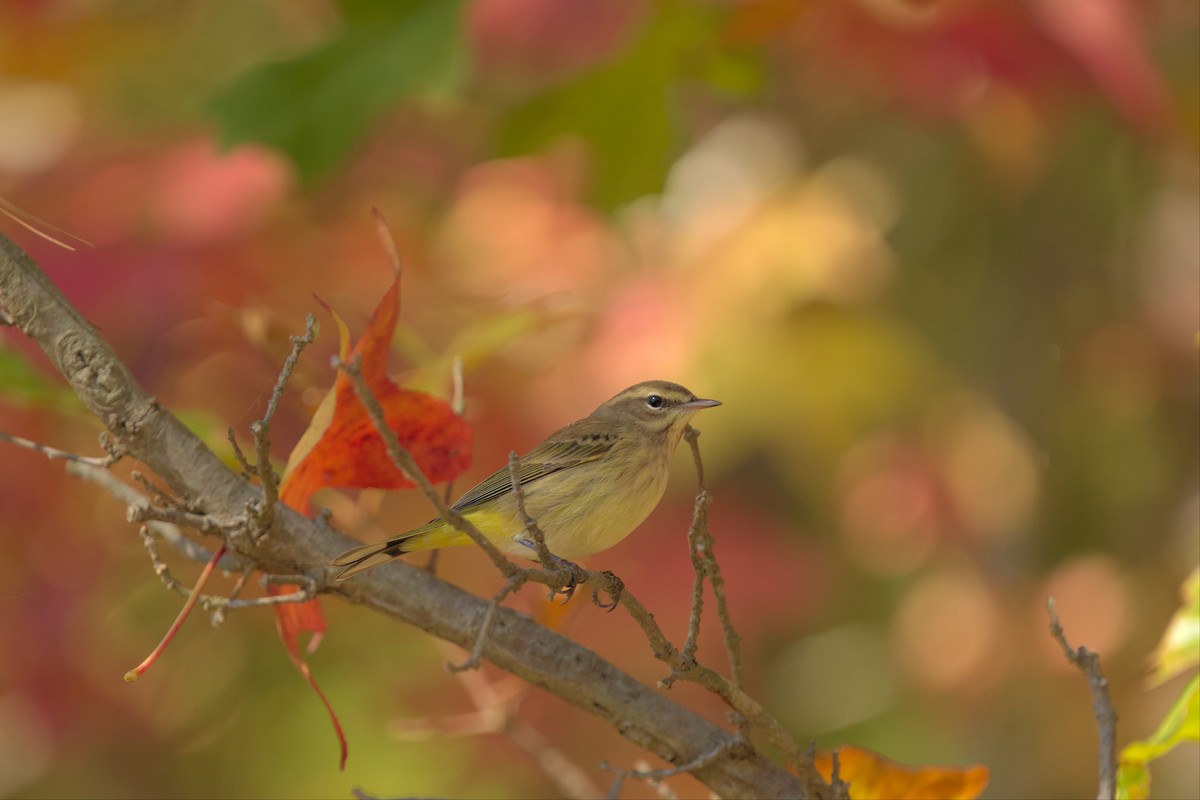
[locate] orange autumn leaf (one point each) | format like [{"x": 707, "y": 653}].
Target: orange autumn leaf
[
  {"x": 873, "y": 777},
  {"x": 341, "y": 448}
]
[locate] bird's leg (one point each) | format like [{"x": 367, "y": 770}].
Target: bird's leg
[{"x": 575, "y": 574}]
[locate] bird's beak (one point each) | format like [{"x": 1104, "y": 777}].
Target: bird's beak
[{"x": 697, "y": 404}]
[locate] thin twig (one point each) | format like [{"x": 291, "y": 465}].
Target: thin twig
[
  {"x": 205, "y": 523},
  {"x": 218, "y": 614},
  {"x": 571, "y": 574},
  {"x": 1102, "y": 706},
  {"x": 703, "y": 547},
  {"x": 157, "y": 495},
  {"x": 732, "y": 748},
  {"x": 261, "y": 430},
  {"x": 570, "y": 779},
  {"x": 54, "y": 453},
  {"x": 167, "y": 531},
  {"x": 536, "y": 535},
  {"x": 473, "y": 661},
  {"x": 238, "y": 455},
  {"x": 218, "y": 604}
]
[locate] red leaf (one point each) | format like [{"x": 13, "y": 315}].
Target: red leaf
[
  {"x": 291, "y": 619},
  {"x": 349, "y": 452}
]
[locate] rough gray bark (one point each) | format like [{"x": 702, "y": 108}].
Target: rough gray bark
[{"x": 152, "y": 435}]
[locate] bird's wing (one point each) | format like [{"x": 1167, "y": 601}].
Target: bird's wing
[{"x": 576, "y": 444}]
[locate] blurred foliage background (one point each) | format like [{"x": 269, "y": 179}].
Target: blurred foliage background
[{"x": 939, "y": 258}]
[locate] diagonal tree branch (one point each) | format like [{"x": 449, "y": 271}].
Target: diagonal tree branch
[{"x": 294, "y": 544}]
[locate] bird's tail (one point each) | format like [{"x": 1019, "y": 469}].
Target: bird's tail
[{"x": 364, "y": 557}]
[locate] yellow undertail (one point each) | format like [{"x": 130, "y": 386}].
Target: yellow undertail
[{"x": 433, "y": 536}]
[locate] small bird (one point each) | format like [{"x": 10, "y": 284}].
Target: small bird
[{"x": 588, "y": 485}]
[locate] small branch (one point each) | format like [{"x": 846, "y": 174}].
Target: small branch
[
  {"x": 205, "y": 523},
  {"x": 531, "y": 526},
  {"x": 218, "y": 604},
  {"x": 571, "y": 781},
  {"x": 1102, "y": 706},
  {"x": 731, "y": 749},
  {"x": 167, "y": 531},
  {"x": 238, "y": 455},
  {"x": 563, "y": 576},
  {"x": 703, "y": 548},
  {"x": 261, "y": 430},
  {"x": 53, "y": 453},
  {"x": 496, "y": 705},
  {"x": 157, "y": 495},
  {"x": 474, "y": 660}
]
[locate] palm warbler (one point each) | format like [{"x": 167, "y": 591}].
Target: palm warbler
[{"x": 588, "y": 485}]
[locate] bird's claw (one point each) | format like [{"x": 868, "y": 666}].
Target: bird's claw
[
  {"x": 575, "y": 576},
  {"x": 613, "y": 587}
]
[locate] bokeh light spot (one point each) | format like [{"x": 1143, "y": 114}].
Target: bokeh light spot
[{"x": 947, "y": 632}]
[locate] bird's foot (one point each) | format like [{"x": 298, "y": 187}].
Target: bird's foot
[
  {"x": 572, "y": 573},
  {"x": 612, "y": 586}
]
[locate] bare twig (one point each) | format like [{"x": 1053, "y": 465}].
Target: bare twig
[
  {"x": 703, "y": 549},
  {"x": 562, "y": 576},
  {"x": 261, "y": 430},
  {"x": 157, "y": 495},
  {"x": 496, "y": 705},
  {"x": 732, "y": 748},
  {"x": 167, "y": 531},
  {"x": 238, "y": 455},
  {"x": 473, "y": 661},
  {"x": 570, "y": 779},
  {"x": 54, "y": 453},
  {"x": 218, "y": 604},
  {"x": 1102, "y": 705},
  {"x": 205, "y": 523}
]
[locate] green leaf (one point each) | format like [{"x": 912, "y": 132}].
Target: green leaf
[
  {"x": 23, "y": 385},
  {"x": 625, "y": 112},
  {"x": 1180, "y": 646},
  {"x": 318, "y": 106},
  {"x": 1181, "y": 724}
]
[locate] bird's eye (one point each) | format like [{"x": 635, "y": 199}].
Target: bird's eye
[{"x": 654, "y": 401}]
